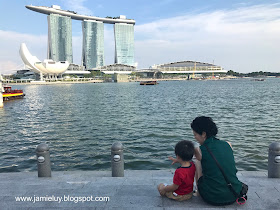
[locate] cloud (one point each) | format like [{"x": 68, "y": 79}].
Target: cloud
[
  {"x": 77, "y": 6},
  {"x": 241, "y": 21},
  {"x": 10, "y": 43},
  {"x": 243, "y": 39},
  {"x": 7, "y": 66},
  {"x": 10, "y": 60}
]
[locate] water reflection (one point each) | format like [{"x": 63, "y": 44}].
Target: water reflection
[{"x": 81, "y": 121}]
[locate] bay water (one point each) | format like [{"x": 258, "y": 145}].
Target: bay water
[{"x": 80, "y": 122}]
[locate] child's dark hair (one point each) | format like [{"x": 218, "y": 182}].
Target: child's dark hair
[
  {"x": 204, "y": 124},
  {"x": 185, "y": 150}
]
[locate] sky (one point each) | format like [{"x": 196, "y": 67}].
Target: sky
[{"x": 242, "y": 36}]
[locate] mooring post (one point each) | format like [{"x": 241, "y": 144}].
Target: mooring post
[
  {"x": 117, "y": 161},
  {"x": 274, "y": 160},
  {"x": 43, "y": 160}
]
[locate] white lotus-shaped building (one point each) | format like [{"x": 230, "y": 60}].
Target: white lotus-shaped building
[{"x": 47, "y": 67}]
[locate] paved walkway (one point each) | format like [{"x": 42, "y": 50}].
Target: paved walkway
[{"x": 137, "y": 190}]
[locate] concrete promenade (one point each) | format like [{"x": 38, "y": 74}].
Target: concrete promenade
[
  {"x": 137, "y": 190},
  {"x": 56, "y": 82}
]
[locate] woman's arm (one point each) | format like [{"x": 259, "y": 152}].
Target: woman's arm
[
  {"x": 229, "y": 144},
  {"x": 197, "y": 153}
]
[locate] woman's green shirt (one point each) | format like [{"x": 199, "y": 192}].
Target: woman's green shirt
[{"x": 213, "y": 187}]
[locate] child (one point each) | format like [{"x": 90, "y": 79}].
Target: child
[{"x": 182, "y": 187}]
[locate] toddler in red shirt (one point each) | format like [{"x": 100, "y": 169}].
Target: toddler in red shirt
[{"x": 182, "y": 187}]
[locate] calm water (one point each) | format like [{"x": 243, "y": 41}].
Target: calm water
[{"x": 81, "y": 121}]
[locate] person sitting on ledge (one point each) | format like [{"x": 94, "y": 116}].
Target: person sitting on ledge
[
  {"x": 212, "y": 185},
  {"x": 182, "y": 187}
]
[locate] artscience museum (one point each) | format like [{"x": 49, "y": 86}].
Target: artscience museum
[{"x": 48, "y": 68}]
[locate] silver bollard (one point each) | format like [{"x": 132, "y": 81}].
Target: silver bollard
[
  {"x": 43, "y": 160},
  {"x": 117, "y": 161},
  {"x": 274, "y": 160}
]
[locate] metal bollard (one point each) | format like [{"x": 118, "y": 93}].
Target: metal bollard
[
  {"x": 117, "y": 161},
  {"x": 274, "y": 160},
  {"x": 43, "y": 160}
]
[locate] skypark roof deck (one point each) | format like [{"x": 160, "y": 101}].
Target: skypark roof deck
[{"x": 75, "y": 16}]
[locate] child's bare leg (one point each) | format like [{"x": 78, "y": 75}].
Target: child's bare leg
[
  {"x": 159, "y": 187},
  {"x": 198, "y": 173}
]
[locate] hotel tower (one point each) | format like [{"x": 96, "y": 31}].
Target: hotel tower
[
  {"x": 93, "y": 44},
  {"x": 60, "y": 37},
  {"x": 124, "y": 43}
]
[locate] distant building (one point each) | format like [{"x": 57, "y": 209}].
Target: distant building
[
  {"x": 93, "y": 44},
  {"x": 23, "y": 71},
  {"x": 60, "y": 38},
  {"x": 48, "y": 68},
  {"x": 75, "y": 67},
  {"x": 124, "y": 43},
  {"x": 188, "y": 67},
  {"x": 120, "y": 77},
  {"x": 117, "y": 68}
]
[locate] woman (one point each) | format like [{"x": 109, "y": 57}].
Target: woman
[{"x": 212, "y": 185}]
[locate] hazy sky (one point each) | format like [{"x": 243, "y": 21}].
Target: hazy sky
[{"x": 243, "y": 36}]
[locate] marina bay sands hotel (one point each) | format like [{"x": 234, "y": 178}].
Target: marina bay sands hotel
[{"x": 60, "y": 37}]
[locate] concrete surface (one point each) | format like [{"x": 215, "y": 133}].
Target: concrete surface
[{"x": 137, "y": 190}]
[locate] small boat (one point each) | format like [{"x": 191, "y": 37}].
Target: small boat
[
  {"x": 258, "y": 80},
  {"x": 12, "y": 94},
  {"x": 149, "y": 83}
]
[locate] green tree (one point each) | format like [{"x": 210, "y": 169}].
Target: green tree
[{"x": 233, "y": 73}]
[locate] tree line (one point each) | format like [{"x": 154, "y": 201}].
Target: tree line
[{"x": 253, "y": 74}]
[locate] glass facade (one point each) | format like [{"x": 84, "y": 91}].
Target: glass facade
[
  {"x": 93, "y": 44},
  {"x": 60, "y": 38},
  {"x": 124, "y": 43}
]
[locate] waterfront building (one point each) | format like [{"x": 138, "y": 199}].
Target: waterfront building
[
  {"x": 75, "y": 67},
  {"x": 60, "y": 38},
  {"x": 93, "y": 44},
  {"x": 121, "y": 77},
  {"x": 48, "y": 68},
  {"x": 193, "y": 67},
  {"x": 124, "y": 43},
  {"x": 117, "y": 68}
]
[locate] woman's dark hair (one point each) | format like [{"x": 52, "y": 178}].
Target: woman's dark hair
[
  {"x": 204, "y": 124},
  {"x": 185, "y": 150}
]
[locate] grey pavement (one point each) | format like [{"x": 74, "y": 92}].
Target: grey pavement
[{"x": 137, "y": 190}]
